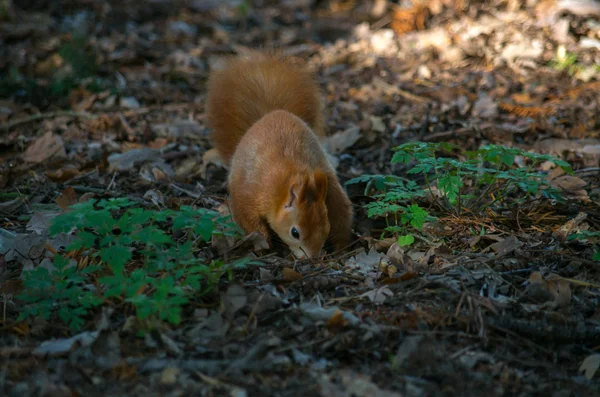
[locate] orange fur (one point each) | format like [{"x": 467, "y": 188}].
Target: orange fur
[
  {"x": 266, "y": 118},
  {"x": 251, "y": 87}
]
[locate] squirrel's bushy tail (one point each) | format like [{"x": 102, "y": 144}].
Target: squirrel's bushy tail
[{"x": 250, "y": 87}]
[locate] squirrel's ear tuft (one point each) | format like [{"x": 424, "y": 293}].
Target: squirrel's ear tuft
[
  {"x": 314, "y": 187},
  {"x": 320, "y": 184}
]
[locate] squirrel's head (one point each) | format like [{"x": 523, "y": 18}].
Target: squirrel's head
[{"x": 301, "y": 220}]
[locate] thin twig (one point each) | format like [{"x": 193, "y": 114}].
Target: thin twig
[
  {"x": 586, "y": 170},
  {"x": 40, "y": 116}
]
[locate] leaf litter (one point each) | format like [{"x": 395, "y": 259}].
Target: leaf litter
[{"x": 502, "y": 302}]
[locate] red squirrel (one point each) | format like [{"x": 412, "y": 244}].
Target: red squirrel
[{"x": 266, "y": 117}]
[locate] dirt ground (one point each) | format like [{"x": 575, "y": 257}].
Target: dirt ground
[{"x": 497, "y": 303}]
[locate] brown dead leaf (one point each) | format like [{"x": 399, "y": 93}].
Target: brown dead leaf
[
  {"x": 337, "y": 321},
  {"x": 63, "y": 175},
  {"x": 565, "y": 230},
  {"x": 572, "y": 186},
  {"x": 408, "y": 276},
  {"x": 553, "y": 289},
  {"x": 506, "y": 246},
  {"x": 11, "y": 287},
  {"x": 84, "y": 102},
  {"x": 523, "y": 98},
  {"x": 410, "y": 19},
  {"x": 290, "y": 274},
  {"x": 560, "y": 290},
  {"x": 67, "y": 198},
  {"x": 158, "y": 143},
  {"x": 48, "y": 65},
  {"x": 537, "y": 291},
  {"x": 396, "y": 255},
  {"x": 380, "y": 245},
  {"x": 43, "y": 148},
  {"x": 569, "y": 183}
]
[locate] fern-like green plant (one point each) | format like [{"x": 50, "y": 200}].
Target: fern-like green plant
[
  {"x": 138, "y": 261},
  {"x": 453, "y": 183}
]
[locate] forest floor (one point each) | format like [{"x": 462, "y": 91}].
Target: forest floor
[{"x": 491, "y": 296}]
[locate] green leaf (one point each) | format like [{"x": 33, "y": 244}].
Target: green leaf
[
  {"x": 152, "y": 235},
  {"x": 417, "y": 216},
  {"x": 124, "y": 224},
  {"x": 82, "y": 240},
  {"x": 115, "y": 203},
  {"x": 116, "y": 256},
  {"x": 403, "y": 241},
  {"x": 401, "y": 157},
  {"x": 422, "y": 168},
  {"x": 596, "y": 256},
  {"x": 450, "y": 185},
  {"x": 205, "y": 227},
  {"x": 140, "y": 216},
  {"x": 507, "y": 159},
  {"x": 102, "y": 221}
]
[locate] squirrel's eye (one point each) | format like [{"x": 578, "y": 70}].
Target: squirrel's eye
[{"x": 295, "y": 233}]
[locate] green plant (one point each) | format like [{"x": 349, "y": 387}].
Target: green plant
[
  {"x": 63, "y": 290},
  {"x": 586, "y": 235},
  {"x": 244, "y": 8},
  {"x": 396, "y": 204},
  {"x": 6, "y": 9},
  {"x": 485, "y": 177},
  {"x": 565, "y": 61},
  {"x": 137, "y": 261},
  {"x": 490, "y": 168}
]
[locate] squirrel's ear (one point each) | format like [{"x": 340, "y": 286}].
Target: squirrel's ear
[
  {"x": 320, "y": 184},
  {"x": 293, "y": 195}
]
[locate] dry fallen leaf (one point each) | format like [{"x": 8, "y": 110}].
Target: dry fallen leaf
[
  {"x": 337, "y": 321},
  {"x": 378, "y": 295},
  {"x": 560, "y": 290},
  {"x": 45, "y": 147},
  {"x": 506, "y": 246},
  {"x": 565, "y": 230},
  {"x": 554, "y": 289},
  {"x": 342, "y": 140},
  {"x": 590, "y": 365},
  {"x": 485, "y": 107},
  {"x": 67, "y": 198},
  {"x": 573, "y": 186},
  {"x": 235, "y": 298},
  {"x": 169, "y": 375},
  {"x": 40, "y": 221},
  {"x": 365, "y": 262},
  {"x": 290, "y": 274},
  {"x": 57, "y": 347},
  {"x": 63, "y": 175}
]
